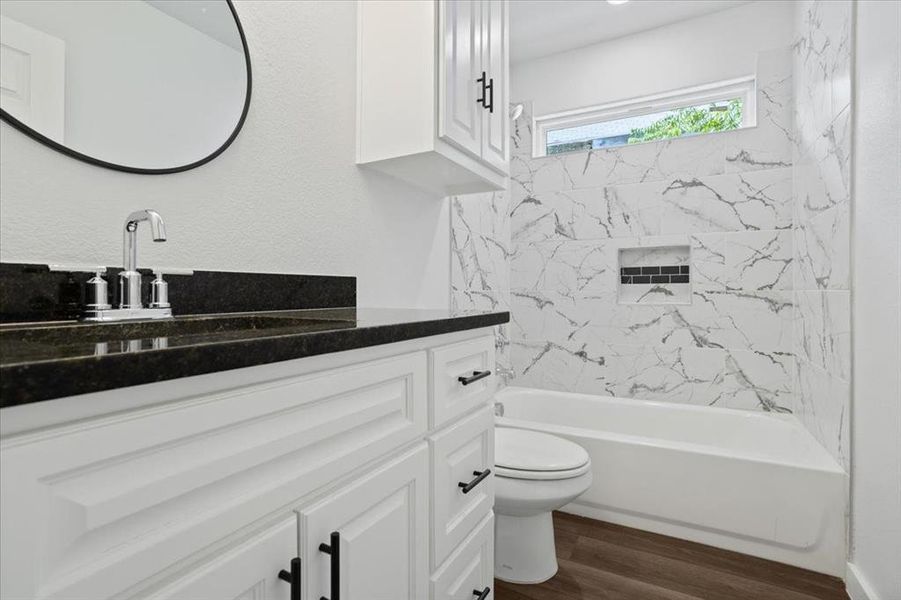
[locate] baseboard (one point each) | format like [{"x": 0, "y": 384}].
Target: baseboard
[{"x": 857, "y": 586}]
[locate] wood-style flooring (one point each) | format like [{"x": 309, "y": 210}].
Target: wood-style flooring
[{"x": 602, "y": 561}]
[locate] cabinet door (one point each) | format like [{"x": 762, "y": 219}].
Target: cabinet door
[
  {"x": 495, "y": 60},
  {"x": 249, "y": 571},
  {"x": 459, "y": 66},
  {"x": 380, "y": 527}
]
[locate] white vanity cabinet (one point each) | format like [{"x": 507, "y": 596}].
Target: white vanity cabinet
[
  {"x": 432, "y": 92},
  {"x": 207, "y": 487}
]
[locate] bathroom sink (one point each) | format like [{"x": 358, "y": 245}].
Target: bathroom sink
[{"x": 207, "y": 327}]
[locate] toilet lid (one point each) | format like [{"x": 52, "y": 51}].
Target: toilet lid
[{"x": 526, "y": 450}]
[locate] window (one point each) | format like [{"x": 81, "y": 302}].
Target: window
[{"x": 706, "y": 109}]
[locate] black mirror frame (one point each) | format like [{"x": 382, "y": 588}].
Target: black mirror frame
[{"x": 108, "y": 165}]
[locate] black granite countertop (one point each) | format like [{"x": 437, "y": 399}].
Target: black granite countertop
[{"x": 43, "y": 361}]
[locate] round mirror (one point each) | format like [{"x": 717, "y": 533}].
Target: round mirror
[{"x": 145, "y": 86}]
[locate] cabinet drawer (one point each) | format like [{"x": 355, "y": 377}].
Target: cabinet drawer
[
  {"x": 249, "y": 570},
  {"x": 91, "y": 509},
  {"x": 451, "y": 397},
  {"x": 470, "y": 568},
  {"x": 458, "y": 453}
]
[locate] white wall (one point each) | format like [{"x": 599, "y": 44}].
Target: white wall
[
  {"x": 876, "y": 417},
  {"x": 285, "y": 197},
  {"x": 706, "y": 49}
]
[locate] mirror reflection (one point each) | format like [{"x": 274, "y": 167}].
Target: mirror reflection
[{"x": 140, "y": 85}]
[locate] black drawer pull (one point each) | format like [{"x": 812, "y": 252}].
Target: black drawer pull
[
  {"x": 487, "y": 99},
  {"x": 293, "y": 578},
  {"x": 333, "y": 550},
  {"x": 479, "y": 476},
  {"x": 483, "y": 594},
  {"x": 483, "y": 81},
  {"x": 476, "y": 375}
]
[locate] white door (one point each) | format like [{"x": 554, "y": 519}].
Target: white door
[
  {"x": 460, "y": 68},
  {"x": 495, "y": 59},
  {"x": 370, "y": 538},
  {"x": 33, "y": 77},
  {"x": 249, "y": 571}
]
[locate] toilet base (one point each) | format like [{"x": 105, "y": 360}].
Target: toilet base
[{"x": 524, "y": 548}]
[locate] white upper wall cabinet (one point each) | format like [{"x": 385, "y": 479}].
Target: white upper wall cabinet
[
  {"x": 495, "y": 63},
  {"x": 432, "y": 92}
]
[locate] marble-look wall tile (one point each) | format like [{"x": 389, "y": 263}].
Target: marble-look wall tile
[
  {"x": 551, "y": 365},
  {"x": 758, "y": 321},
  {"x": 822, "y": 251},
  {"x": 758, "y": 260},
  {"x": 757, "y": 380},
  {"x": 480, "y": 240},
  {"x": 728, "y": 197},
  {"x": 823, "y": 331},
  {"x": 685, "y": 375},
  {"x": 822, "y": 404},
  {"x": 822, "y": 74},
  {"x": 821, "y": 206},
  {"x": 769, "y": 144},
  {"x": 569, "y": 266},
  {"x": 753, "y": 201},
  {"x": 480, "y": 262},
  {"x": 585, "y": 214},
  {"x": 686, "y": 158}
]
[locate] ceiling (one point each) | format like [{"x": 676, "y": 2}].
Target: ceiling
[
  {"x": 542, "y": 27},
  {"x": 211, "y": 17}
]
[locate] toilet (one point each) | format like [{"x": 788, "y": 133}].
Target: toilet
[{"x": 536, "y": 473}]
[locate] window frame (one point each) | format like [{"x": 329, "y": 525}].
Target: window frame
[{"x": 741, "y": 87}]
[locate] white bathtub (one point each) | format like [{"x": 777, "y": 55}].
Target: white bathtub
[{"x": 752, "y": 482}]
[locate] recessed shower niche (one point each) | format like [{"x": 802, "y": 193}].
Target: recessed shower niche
[{"x": 655, "y": 275}]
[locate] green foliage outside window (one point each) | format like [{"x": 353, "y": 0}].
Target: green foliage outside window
[
  {"x": 568, "y": 147},
  {"x": 688, "y": 121}
]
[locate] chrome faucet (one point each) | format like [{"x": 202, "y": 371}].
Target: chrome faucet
[
  {"x": 129, "y": 278},
  {"x": 505, "y": 373},
  {"x": 130, "y": 304}
]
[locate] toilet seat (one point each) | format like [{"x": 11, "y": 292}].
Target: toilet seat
[
  {"x": 541, "y": 475},
  {"x": 526, "y": 454}
]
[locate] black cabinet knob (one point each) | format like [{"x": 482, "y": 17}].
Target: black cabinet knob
[{"x": 481, "y": 595}]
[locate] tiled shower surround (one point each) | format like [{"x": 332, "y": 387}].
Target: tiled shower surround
[
  {"x": 822, "y": 199},
  {"x": 548, "y": 250}
]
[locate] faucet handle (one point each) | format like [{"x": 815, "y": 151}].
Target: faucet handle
[
  {"x": 97, "y": 293},
  {"x": 159, "y": 291}
]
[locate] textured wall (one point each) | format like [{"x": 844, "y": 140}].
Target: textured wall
[
  {"x": 876, "y": 422},
  {"x": 728, "y": 196},
  {"x": 822, "y": 202},
  {"x": 286, "y": 196}
]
